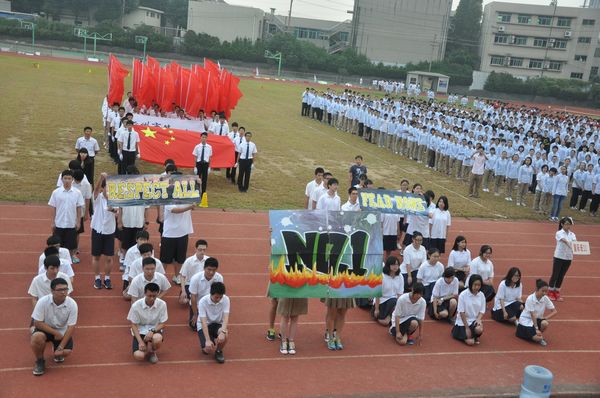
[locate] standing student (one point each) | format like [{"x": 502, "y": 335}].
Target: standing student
[
  {"x": 177, "y": 227},
  {"x": 468, "y": 326},
  {"x": 213, "y": 318},
  {"x": 444, "y": 297},
  {"x": 335, "y": 320},
  {"x": 79, "y": 182},
  {"x": 330, "y": 200},
  {"x": 130, "y": 221},
  {"x": 352, "y": 203},
  {"x": 429, "y": 272},
  {"x": 148, "y": 317},
  {"x": 500, "y": 169},
  {"x": 246, "y": 162},
  {"x": 390, "y": 225},
  {"x": 67, "y": 210},
  {"x": 91, "y": 146},
  {"x": 483, "y": 266},
  {"x": 559, "y": 193},
  {"x": 290, "y": 309},
  {"x": 203, "y": 152},
  {"x": 237, "y": 141},
  {"x": 129, "y": 146},
  {"x": 488, "y": 172},
  {"x": 312, "y": 185},
  {"x": 508, "y": 301},
  {"x": 87, "y": 166},
  {"x": 408, "y": 316},
  {"x": 413, "y": 256},
  {"x": 440, "y": 224},
  {"x": 546, "y": 202},
  {"x": 595, "y": 194},
  {"x": 392, "y": 287},
  {"x": 356, "y": 170},
  {"x": 234, "y": 136},
  {"x": 541, "y": 180},
  {"x": 587, "y": 187},
  {"x": 54, "y": 318},
  {"x": 532, "y": 322},
  {"x": 563, "y": 256},
  {"x": 524, "y": 179},
  {"x": 478, "y": 159},
  {"x": 512, "y": 176},
  {"x": 577, "y": 186},
  {"x": 103, "y": 234}
]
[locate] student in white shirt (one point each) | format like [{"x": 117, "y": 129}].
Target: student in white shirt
[
  {"x": 90, "y": 144},
  {"x": 213, "y": 318},
  {"x": 440, "y": 222},
  {"x": 64, "y": 266},
  {"x": 533, "y": 321},
  {"x": 202, "y": 153},
  {"x": 508, "y": 302},
  {"x": 482, "y": 265},
  {"x": 390, "y": 224},
  {"x": 429, "y": 272},
  {"x": 129, "y": 146},
  {"x": 103, "y": 234},
  {"x": 136, "y": 287},
  {"x": 199, "y": 287},
  {"x": 247, "y": 150},
  {"x": 541, "y": 177},
  {"x": 136, "y": 267},
  {"x": 319, "y": 191},
  {"x": 408, "y": 316},
  {"x": 413, "y": 256},
  {"x": 563, "y": 256},
  {"x": 352, "y": 203},
  {"x": 54, "y": 318},
  {"x": 312, "y": 185},
  {"x": 63, "y": 253},
  {"x": 132, "y": 254},
  {"x": 559, "y": 193},
  {"x": 444, "y": 297},
  {"x": 392, "y": 287},
  {"x": 459, "y": 259},
  {"x": 148, "y": 317},
  {"x": 191, "y": 266},
  {"x": 468, "y": 326},
  {"x": 330, "y": 200}
]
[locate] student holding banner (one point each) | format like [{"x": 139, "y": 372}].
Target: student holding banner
[
  {"x": 103, "y": 225},
  {"x": 563, "y": 256}
]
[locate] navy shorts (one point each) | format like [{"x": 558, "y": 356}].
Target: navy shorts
[
  {"x": 103, "y": 244},
  {"x": 173, "y": 249},
  {"x": 135, "y": 345},
  {"x": 50, "y": 339},
  {"x": 213, "y": 333},
  {"x": 68, "y": 237}
]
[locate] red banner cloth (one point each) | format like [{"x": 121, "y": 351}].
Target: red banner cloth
[
  {"x": 116, "y": 80},
  {"x": 160, "y": 143}
]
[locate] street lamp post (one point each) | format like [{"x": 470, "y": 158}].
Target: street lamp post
[{"x": 142, "y": 40}]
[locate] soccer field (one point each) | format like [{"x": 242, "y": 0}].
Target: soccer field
[{"x": 44, "y": 109}]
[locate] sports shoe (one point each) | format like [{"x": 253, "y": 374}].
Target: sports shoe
[
  {"x": 153, "y": 358},
  {"x": 59, "y": 359},
  {"x": 338, "y": 344},
  {"x": 552, "y": 295},
  {"x": 283, "y": 347},
  {"x": 219, "y": 357},
  {"x": 327, "y": 336},
  {"x": 121, "y": 258},
  {"x": 516, "y": 322},
  {"x": 176, "y": 280},
  {"x": 291, "y": 348},
  {"x": 122, "y": 268},
  {"x": 75, "y": 259},
  {"x": 410, "y": 341},
  {"x": 107, "y": 284},
  {"x": 39, "y": 368},
  {"x": 331, "y": 345},
  {"x": 543, "y": 343},
  {"x": 97, "y": 284},
  {"x": 557, "y": 295},
  {"x": 271, "y": 334}
]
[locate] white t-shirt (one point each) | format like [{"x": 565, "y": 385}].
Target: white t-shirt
[
  {"x": 390, "y": 223},
  {"x": 63, "y": 254},
  {"x": 316, "y": 194},
  {"x": 413, "y": 257},
  {"x": 90, "y": 144},
  {"x": 459, "y": 259},
  {"x": 443, "y": 289},
  {"x": 200, "y": 286},
  {"x": 430, "y": 273},
  {"x": 133, "y": 216},
  {"x": 58, "y": 317},
  {"x": 103, "y": 221},
  {"x": 532, "y": 304},
  {"x": 471, "y": 304},
  {"x": 176, "y": 225},
  {"x": 65, "y": 266},
  {"x": 212, "y": 312},
  {"x": 191, "y": 267},
  {"x": 391, "y": 287},
  {"x": 406, "y": 309},
  {"x": 508, "y": 294},
  {"x": 562, "y": 250},
  {"x": 440, "y": 222},
  {"x": 146, "y": 317},
  {"x": 485, "y": 269},
  {"x": 66, "y": 203},
  {"x": 350, "y": 207},
  {"x": 84, "y": 187},
  {"x": 132, "y": 254}
]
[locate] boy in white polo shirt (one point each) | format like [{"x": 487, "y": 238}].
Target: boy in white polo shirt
[
  {"x": 312, "y": 185},
  {"x": 213, "y": 317},
  {"x": 135, "y": 268},
  {"x": 64, "y": 266},
  {"x": 192, "y": 265},
  {"x": 330, "y": 199},
  {"x": 133, "y": 253},
  {"x": 148, "y": 317},
  {"x": 136, "y": 287},
  {"x": 200, "y": 285},
  {"x": 55, "y": 317}
]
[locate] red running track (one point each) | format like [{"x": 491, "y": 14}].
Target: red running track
[{"x": 370, "y": 365}]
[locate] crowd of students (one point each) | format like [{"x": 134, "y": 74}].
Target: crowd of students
[{"x": 516, "y": 152}]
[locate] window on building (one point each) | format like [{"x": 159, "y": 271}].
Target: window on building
[
  {"x": 597, "y": 53},
  {"x": 344, "y": 36},
  {"x": 504, "y": 17},
  {"x": 585, "y": 40},
  {"x": 312, "y": 34},
  {"x": 516, "y": 62},
  {"x": 544, "y": 20},
  {"x": 497, "y": 60},
  {"x": 147, "y": 13},
  {"x": 593, "y": 71},
  {"x": 524, "y": 19},
  {"x": 554, "y": 65},
  {"x": 520, "y": 40},
  {"x": 588, "y": 22},
  {"x": 501, "y": 39},
  {"x": 273, "y": 28},
  {"x": 540, "y": 42},
  {"x": 559, "y": 43},
  {"x": 580, "y": 58},
  {"x": 576, "y": 75},
  {"x": 536, "y": 63},
  {"x": 563, "y": 21}
]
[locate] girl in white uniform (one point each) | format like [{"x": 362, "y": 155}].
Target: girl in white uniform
[
  {"x": 440, "y": 223},
  {"x": 392, "y": 287},
  {"x": 459, "y": 259},
  {"x": 563, "y": 256},
  {"x": 483, "y": 266},
  {"x": 468, "y": 326},
  {"x": 532, "y": 322},
  {"x": 444, "y": 297},
  {"x": 429, "y": 272},
  {"x": 507, "y": 303},
  {"x": 413, "y": 257}
]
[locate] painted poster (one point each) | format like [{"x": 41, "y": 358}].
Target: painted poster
[
  {"x": 152, "y": 190},
  {"x": 319, "y": 253},
  {"x": 392, "y": 202}
]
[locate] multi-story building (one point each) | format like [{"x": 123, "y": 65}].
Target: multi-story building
[
  {"x": 396, "y": 32},
  {"x": 540, "y": 40}
]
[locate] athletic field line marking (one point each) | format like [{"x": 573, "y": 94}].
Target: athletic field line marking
[
  {"x": 315, "y": 358},
  {"x": 266, "y": 225},
  {"x": 212, "y": 253},
  {"x": 85, "y": 235},
  {"x": 308, "y": 323}
]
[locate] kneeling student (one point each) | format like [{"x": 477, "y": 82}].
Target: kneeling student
[
  {"x": 468, "y": 326},
  {"x": 213, "y": 317},
  {"x": 149, "y": 275},
  {"x": 409, "y": 315},
  {"x": 430, "y": 271},
  {"x": 148, "y": 317},
  {"x": 444, "y": 297},
  {"x": 507, "y": 303},
  {"x": 532, "y": 321}
]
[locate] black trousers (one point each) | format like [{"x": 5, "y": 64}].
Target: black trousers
[
  {"x": 243, "y": 181},
  {"x": 559, "y": 270},
  {"x": 329, "y": 118},
  {"x": 361, "y": 129},
  {"x": 230, "y": 173},
  {"x": 595, "y": 203},
  {"x": 584, "y": 199},
  {"x": 128, "y": 160},
  {"x": 202, "y": 168},
  {"x": 575, "y": 197},
  {"x": 305, "y": 109}
]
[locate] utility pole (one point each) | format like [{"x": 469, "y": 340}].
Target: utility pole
[
  {"x": 433, "y": 44},
  {"x": 549, "y": 41},
  {"x": 289, "y": 20}
]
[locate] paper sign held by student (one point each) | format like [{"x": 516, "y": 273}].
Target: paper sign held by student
[
  {"x": 152, "y": 190},
  {"x": 581, "y": 248},
  {"x": 392, "y": 202},
  {"x": 318, "y": 253}
]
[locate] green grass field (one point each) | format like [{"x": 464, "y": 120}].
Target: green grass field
[{"x": 43, "y": 111}]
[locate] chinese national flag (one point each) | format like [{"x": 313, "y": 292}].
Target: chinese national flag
[
  {"x": 160, "y": 143},
  {"x": 116, "y": 80}
]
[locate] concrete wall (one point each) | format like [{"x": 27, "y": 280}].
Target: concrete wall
[
  {"x": 142, "y": 16},
  {"x": 227, "y": 22}
]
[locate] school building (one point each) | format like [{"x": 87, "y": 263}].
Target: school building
[{"x": 541, "y": 40}]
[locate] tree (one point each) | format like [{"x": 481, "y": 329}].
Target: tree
[{"x": 465, "y": 32}]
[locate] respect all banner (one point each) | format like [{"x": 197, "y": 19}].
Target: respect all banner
[
  {"x": 152, "y": 190},
  {"x": 319, "y": 253},
  {"x": 392, "y": 202}
]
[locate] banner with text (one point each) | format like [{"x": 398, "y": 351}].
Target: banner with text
[
  {"x": 392, "y": 202},
  {"x": 169, "y": 122},
  {"x": 152, "y": 190},
  {"x": 319, "y": 253}
]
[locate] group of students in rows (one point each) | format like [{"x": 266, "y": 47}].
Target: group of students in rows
[{"x": 509, "y": 150}]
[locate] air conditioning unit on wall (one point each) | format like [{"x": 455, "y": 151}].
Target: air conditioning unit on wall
[
  {"x": 568, "y": 33},
  {"x": 501, "y": 28}
]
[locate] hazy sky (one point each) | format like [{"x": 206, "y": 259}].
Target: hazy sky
[{"x": 336, "y": 9}]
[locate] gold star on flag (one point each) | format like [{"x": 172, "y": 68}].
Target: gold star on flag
[
  {"x": 149, "y": 133},
  {"x": 172, "y": 138},
  {"x": 171, "y": 132},
  {"x": 167, "y": 142},
  {"x": 164, "y": 128}
]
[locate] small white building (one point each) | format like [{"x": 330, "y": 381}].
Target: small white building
[
  {"x": 143, "y": 16},
  {"x": 428, "y": 81}
]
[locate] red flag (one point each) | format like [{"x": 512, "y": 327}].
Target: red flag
[
  {"x": 234, "y": 94},
  {"x": 153, "y": 64},
  {"x": 147, "y": 87},
  {"x": 116, "y": 80},
  {"x": 165, "y": 87},
  {"x": 160, "y": 143},
  {"x": 136, "y": 79}
]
